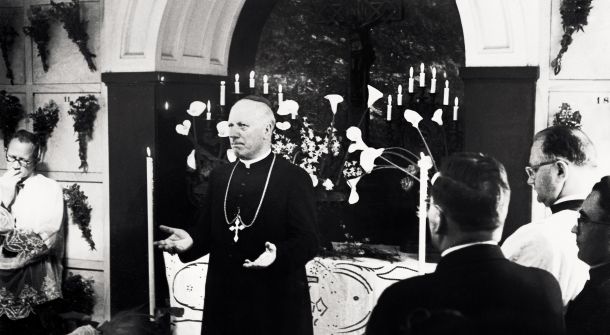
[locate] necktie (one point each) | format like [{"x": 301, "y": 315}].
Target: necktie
[{"x": 18, "y": 189}]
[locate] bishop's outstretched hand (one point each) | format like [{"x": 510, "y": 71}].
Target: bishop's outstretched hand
[
  {"x": 178, "y": 241},
  {"x": 265, "y": 259}
]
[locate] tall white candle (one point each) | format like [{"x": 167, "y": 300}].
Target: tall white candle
[
  {"x": 422, "y": 76},
  {"x": 389, "y": 110},
  {"x": 446, "y": 94},
  {"x": 251, "y": 82},
  {"x": 265, "y": 85},
  {"x": 433, "y": 83},
  {"x": 237, "y": 83},
  {"x": 399, "y": 96},
  {"x": 222, "y": 93},
  {"x": 411, "y": 80},
  {"x": 280, "y": 95},
  {"x": 150, "y": 223},
  {"x": 208, "y": 113},
  {"x": 455, "y": 108},
  {"x": 423, "y": 211}
]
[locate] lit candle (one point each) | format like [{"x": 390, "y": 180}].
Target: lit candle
[
  {"x": 433, "y": 84},
  {"x": 455, "y": 108},
  {"x": 424, "y": 166},
  {"x": 149, "y": 213},
  {"x": 208, "y": 113},
  {"x": 222, "y": 93},
  {"x": 411, "y": 80},
  {"x": 251, "y": 79},
  {"x": 446, "y": 94},
  {"x": 389, "y": 113},
  {"x": 265, "y": 85},
  {"x": 166, "y": 105},
  {"x": 280, "y": 95},
  {"x": 237, "y": 83},
  {"x": 399, "y": 96},
  {"x": 422, "y": 76}
]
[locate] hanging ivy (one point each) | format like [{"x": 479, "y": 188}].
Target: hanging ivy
[
  {"x": 39, "y": 32},
  {"x": 69, "y": 14},
  {"x": 11, "y": 112},
  {"x": 574, "y": 15},
  {"x": 76, "y": 200},
  {"x": 45, "y": 119},
  {"x": 7, "y": 39},
  {"x": 84, "y": 111}
]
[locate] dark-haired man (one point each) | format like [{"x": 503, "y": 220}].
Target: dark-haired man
[
  {"x": 259, "y": 229},
  {"x": 32, "y": 249},
  {"x": 561, "y": 170},
  {"x": 469, "y": 202},
  {"x": 589, "y": 313}
]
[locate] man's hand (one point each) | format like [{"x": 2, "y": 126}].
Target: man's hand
[
  {"x": 179, "y": 240},
  {"x": 265, "y": 259},
  {"x": 8, "y": 182}
]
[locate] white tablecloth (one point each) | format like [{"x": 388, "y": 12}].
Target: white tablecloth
[{"x": 343, "y": 292}]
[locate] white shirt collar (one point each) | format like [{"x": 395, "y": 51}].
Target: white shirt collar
[
  {"x": 248, "y": 162},
  {"x": 462, "y": 246},
  {"x": 578, "y": 196}
]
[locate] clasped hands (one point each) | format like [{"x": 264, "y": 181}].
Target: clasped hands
[{"x": 180, "y": 241}]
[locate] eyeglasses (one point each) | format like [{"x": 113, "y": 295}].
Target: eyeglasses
[
  {"x": 582, "y": 219},
  {"x": 22, "y": 162},
  {"x": 533, "y": 169}
]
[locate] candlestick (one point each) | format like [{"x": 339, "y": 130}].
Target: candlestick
[
  {"x": 446, "y": 94},
  {"x": 150, "y": 230},
  {"x": 424, "y": 165},
  {"x": 265, "y": 85},
  {"x": 389, "y": 109},
  {"x": 280, "y": 95},
  {"x": 455, "y": 108},
  {"x": 433, "y": 84},
  {"x": 222, "y": 93},
  {"x": 237, "y": 83},
  {"x": 208, "y": 114},
  {"x": 251, "y": 79},
  {"x": 411, "y": 80},
  {"x": 422, "y": 76},
  {"x": 399, "y": 96}
]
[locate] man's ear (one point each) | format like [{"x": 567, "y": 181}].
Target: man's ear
[
  {"x": 442, "y": 225},
  {"x": 562, "y": 169}
]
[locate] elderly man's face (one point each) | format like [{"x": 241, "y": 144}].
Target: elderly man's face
[
  {"x": 592, "y": 232},
  {"x": 249, "y": 130},
  {"x": 20, "y": 158},
  {"x": 544, "y": 177}
]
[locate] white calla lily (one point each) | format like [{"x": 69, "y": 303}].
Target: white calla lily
[
  {"x": 412, "y": 117},
  {"x": 424, "y": 163},
  {"x": 231, "y": 155},
  {"x": 283, "y": 125},
  {"x": 334, "y": 100},
  {"x": 196, "y": 108},
  {"x": 223, "y": 128},
  {"x": 374, "y": 95},
  {"x": 355, "y": 134},
  {"x": 314, "y": 179},
  {"x": 353, "y": 194},
  {"x": 190, "y": 160},
  {"x": 367, "y": 158},
  {"x": 183, "y": 128},
  {"x": 288, "y": 107},
  {"x": 438, "y": 117}
]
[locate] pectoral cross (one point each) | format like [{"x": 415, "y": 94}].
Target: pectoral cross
[{"x": 237, "y": 226}]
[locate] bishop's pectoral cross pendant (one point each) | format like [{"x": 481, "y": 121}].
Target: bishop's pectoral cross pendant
[{"x": 237, "y": 225}]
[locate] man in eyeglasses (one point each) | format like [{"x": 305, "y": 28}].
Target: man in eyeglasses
[
  {"x": 589, "y": 313},
  {"x": 561, "y": 170},
  {"x": 31, "y": 215}
]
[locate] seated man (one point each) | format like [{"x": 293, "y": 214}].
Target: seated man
[
  {"x": 469, "y": 202},
  {"x": 31, "y": 254},
  {"x": 589, "y": 313}
]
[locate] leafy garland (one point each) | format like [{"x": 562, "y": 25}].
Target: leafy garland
[
  {"x": 45, "y": 120},
  {"x": 69, "y": 15},
  {"x": 84, "y": 111},
  {"x": 574, "y": 15},
  {"x": 39, "y": 33},
  {"x": 567, "y": 117},
  {"x": 7, "y": 39},
  {"x": 76, "y": 201},
  {"x": 11, "y": 112}
]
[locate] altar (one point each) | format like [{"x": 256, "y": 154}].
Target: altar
[{"x": 343, "y": 291}]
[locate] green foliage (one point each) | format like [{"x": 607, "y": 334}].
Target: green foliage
[
  {"x": 11, "y": 112},
  {"x": 39, "y": 32},
  {"x": 76, "y": 200},
  {"x": 45, "y": 120},
  {"x": 84, "y": 111},
  {"x": 574, "y": 14}
]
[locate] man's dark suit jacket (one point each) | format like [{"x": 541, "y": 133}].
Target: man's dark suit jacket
[
  {"x": 589, "y": 313},
  {"x": 494, "y": 295}
]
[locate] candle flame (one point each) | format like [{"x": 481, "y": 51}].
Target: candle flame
[
  {"x": 399, "y": 89},
  {"x": 209, "y": 107},
  {"x": 411, "y": 72},
  {"x": 148, "y": 151},
  {"x": 447, "y": 83},
  {"x": 421, "y": 67},
  {"x": 251, "y": 74},
  {"x": 222, "y": 83},
  {"x": 265, "y": 78},
  {"x": 433, "y": 73},
  {"x": 279, "y": 88},
  {"x": 166, "y": 105},
  {"x": 237, "y": 77},
  {"x": 455, "y": 101}
]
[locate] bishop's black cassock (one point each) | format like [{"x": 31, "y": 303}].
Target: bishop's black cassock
[{"x": 274, "y": 300}]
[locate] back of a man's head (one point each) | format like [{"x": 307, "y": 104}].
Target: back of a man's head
[
  {"x": 603, "y": 188},
  {"x": 567, "y": 143},
  {"x": 472, "y": 189}
]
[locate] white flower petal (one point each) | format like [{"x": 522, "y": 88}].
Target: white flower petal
[
  {"x": 328, "y": 184},
  {"x": 314, "y": 179},
  {"x": 288, "y": 107},
  {"x": 223, "y": 128},
  {"x": 196, "y": 108},
  {"x": 183, "y": 129},
  {"x": 353, "y": 134},
  {"x": 438, "y": 117},
  {"x": 412, "y": 117},
  {"x": 190, "y": 160},
  {"x": 353, "y": 195},
  {"x": 334, "y": 99},
  {"x": 367, "y": 158},
  {"x": 424, "y": 163},
  {"x": 283, "y": 125},
  {"x": 374, "y": 95}
]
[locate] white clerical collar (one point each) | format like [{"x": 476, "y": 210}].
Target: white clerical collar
[
  {"x": 578, "y": 196},
  {"x": 462, "y": 246},
  {"x": 248, "y": 162}
]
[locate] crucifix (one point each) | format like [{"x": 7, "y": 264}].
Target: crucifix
[{"x": 237, "y": 225}]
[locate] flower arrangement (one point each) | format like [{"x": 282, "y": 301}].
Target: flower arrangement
[
  {"x": 574, "y": 15},
  {"x": 7, "y": 39},
  {"x": 567, "y": 117},
  {"x": 45, "y": 119},
  {"x": 69, "y": 14},
  {"x": 39, "y": 32},
  {"x": 11, "y": 112},
  {"x": 76, "y": 200},
  {"x": 84, "y": 111}
]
